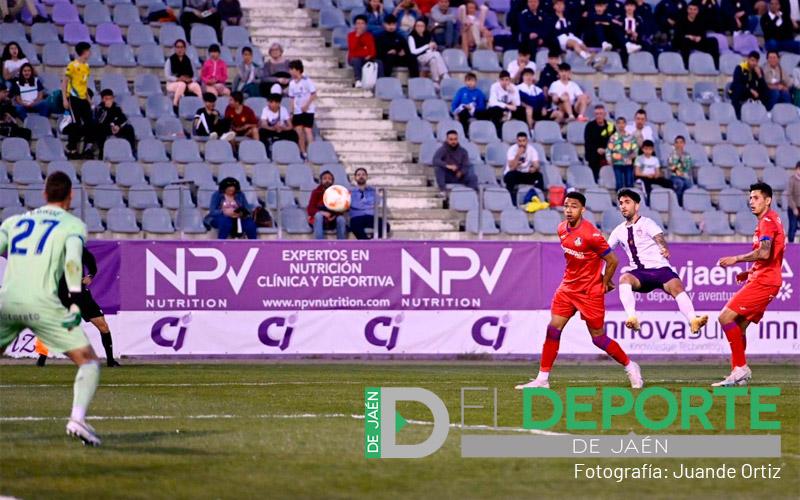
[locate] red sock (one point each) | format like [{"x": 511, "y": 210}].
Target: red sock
[
  {"x": 736, "y": 341},
  {"x": 550, "y": 348},
  {"x": 612, "y": 348}
]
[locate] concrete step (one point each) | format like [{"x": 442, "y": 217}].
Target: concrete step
[
  {"x": 354, "y": 125},
  {"x": 348, "y": 102},
  {"x": 376, "y": 148},
  {"x": 399, "y": 203},
  {"x": 366, "y": 135},
  {"x": 344, "y": 92},
  {"x": 350, "y": 114},
  {"x": 431, "y": 226},
  {"x": 394, "y": 169},
  {"x": 309, "y": 53},
  {"x": 397, "y": 181},
  {"x": 269, "y": 4},
  {"x": 253, "y": 15},
  {"x": 274, "y": 32},
  {"x": 264, "y": 40},
  {"x": 437, "y": 214},
  {"x": 427, "y": 235},
  {"x": 269, "y": 21}
]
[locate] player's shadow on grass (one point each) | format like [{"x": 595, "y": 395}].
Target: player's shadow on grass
[{"x": 155, "y": 442}]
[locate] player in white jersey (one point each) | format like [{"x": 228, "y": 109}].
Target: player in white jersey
[
  {"x": 44, "y": 245},
  {"x": 648, "y": 267}
]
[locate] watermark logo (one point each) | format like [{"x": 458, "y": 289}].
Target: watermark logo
[
  {"x": 185, "y": 281},
  {"x": 494, "y": 326},
  {"x": 440, "y": 276},
  {"x": 383, "y": 323},
  {"x": 164, "y": 325},
  {"x": 280, "y": 340},
  {"x": 785, "y": 292}
]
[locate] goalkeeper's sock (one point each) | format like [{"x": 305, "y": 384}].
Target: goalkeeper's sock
[
  {"x": 86, "y": 381},
  {"x": 612, "y": 348},
  {"x": 550, "y": 349}
]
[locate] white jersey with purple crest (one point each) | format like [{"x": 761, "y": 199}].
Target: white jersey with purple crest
[{"x": 638, "y": 241}]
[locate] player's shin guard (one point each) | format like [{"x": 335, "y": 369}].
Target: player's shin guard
[
  {"x": 736, "y": 340},
  {"x": 627, "y": 299},
  {"x": 550, "y": 348},
  {"x": 612, "y": 348},
  {"x": 86, "y": 381},
  {"x": 685, "y": 306}
]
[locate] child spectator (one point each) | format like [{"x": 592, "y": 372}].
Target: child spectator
[
  {"x": 647, "y": 169},
  {"x": 112, "y": 122},
  {"x": 275, "y": 73},
  {"x": 360, "y": 48},
  {"x": 12, "y": 60},
  {"x": 242, "y": 118},
  {"x": 534, "y": 100},
  {"x": 8, "y": 118},
  {"x": 375, "y": 16},
  {"x": 393, "y": 48},
  {"x": 27, "y": 93},
  {"x": 567, "y": 96},
  {"x": 180, "y": 74},
  {"x": 564, "y": 37},
  {"x": 303, "y": 93},
  {"x": 474, "y": 33},
  {"x": 208, "y": 123},
  {"x": 247, "y": 79},
  {"x": 603, "y": 29},
  {"x": 504, "y": 102},
  {"x": 214, "y": 72},
  {"x": 681, "y": 166},
  {"x": 522, "y": 61},
  {"x": 276, "y": 123},
  {"x": 550, "y": 72},
  {"x": 636, "y": 34},
  {"x": 522, "y": 167},
  {"x": 469, "y": 102},
  {"x": 230, "y": 11},
  {"x": 442, "y": 23},
  {"x": 76, "y": 96},
  {"x": 620, "y": 154},
  {"x": 421, "y": 45}
]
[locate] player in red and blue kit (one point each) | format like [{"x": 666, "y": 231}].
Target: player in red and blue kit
[
  {"x": 583, "y": 290},
  {"x": 763, "y": 281}
]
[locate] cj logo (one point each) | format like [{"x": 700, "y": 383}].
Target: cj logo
[
  {"x": 159, "y": 327},
  {"x": 492, "y": 321},
  {"x": 276, "y": 323},
  {"x": 383, "y": 321}
]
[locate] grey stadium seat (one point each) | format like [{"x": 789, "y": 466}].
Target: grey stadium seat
[
  {"x": 716, "y": 224},
  {"x": 740, "y": 134},
  {"x": 147, "y": 84},
  {"x": 513, "y": 127},
  {"x": 546, "y": 221},
  {"x": 483, "y": 132},
  {"x": 696, "y": 199},
  {"x": 754, "y": 113},
  {"x": 485, "y": 60},
  {"x": 598, "y": 200},
  {"x": 496, "y": 154},
  {"x": 711, "y": 177},
  {"x": 285, "y": 152},
  {"x": 402, "y": 110},
  {"x": 580, "y": 176},
  {"x": 26, "y": 172},
  {"x": 771, "y": 134},
  {"x": 121, "y": 220},
  {"x": 775, "y": 177},
  {"x": 199, "y": 173},
  {"x": 485, "y": 174},
  {"x": 681, "y": 223},
  {"x": 745, "y": 223},
  {"x": 169, "y": 128},
  {"x": 575, "y": 132},
  {"x": 671, "y": 63},
  {"x": 96, "y": 173},
  {"x": 674, "y": 92},
  {"x": 107, "y": 197},
  {"x": 142, "y": 196},
  {"x": 171, "y": 197},
  {"x": 130, "y": 174},
  {"x": 299, "y": 175},
  {"x": 294, "y": 221},
  {"x": 158, "y": 105},
  {"x": 117, "y": 150},
  {"x": 785, "y": 113},
  {"x": 235, "y": 37},
  {"x": 552, "y": 176},
  {"x": 611, "y": 219},
  {"x": 496, "y": 199},
  {"x": 563, "y": 154},
  {"x": 455, "y": 60},
  {"x": 449, "y": 87},
  {"x": 485, "y": 224},
  {"x": 16, "y": 148},
  {"x": 188, "y": 106},
  {"x": 722, "y": 112},
  {"x": 462, "y": 199},
  {"x": 627, "y": 109},
  {"x": 116, "y": 82},
  {"x": 707, "y": 132},
  {"x": 185, "y": 151},
  {"x": 419, "y": 131},
  {"x": 162, "y": 174},
  {"x": 140, "y": 34},
  {"x": 321, "y": 152},
  {"x": 32, "y": 195},
  {"x": 338, "y": 171},
  {"x": 743, "y": 177},
  {"x": 786, "y": 156},
  {"x": 55, "y": 54},
  {"x": 388, "y": 88},
  {"x": 702, "y": 64},
  {"x": 190, "y": 220},
  {"x": 252, "y": 152},
  {"x": 130, "y": 106},
  {"x": 446, "y": 125},
  {"x": 9, "y": 197},
  {"x": 642, "y": 63},
  {"x": 47, "y": 149},
  {"x": 643, "y": 92},
  {"x": 755, "y": 156},
  {"x": 151, "y": 151},
  {"x": 691, "y": 113},
  {"x": 150, "y": 55},
  {"x": 515, "y": 221},
  {"x": 731, "y": 200},
  {"x": 218, "y": 151},
  {"x": 547, "y": 132},
  {"x": 420, "y": 89},
  {"x": 63, "y": 166},
  {"x": 725, "y": 155},
  {"x": 266, "y": 175},
  {"x": 435, "y": 110},
  {"x": 235, "y": 170},
  {"x": 611, "y": 91},
  {"x": 122, "y": 56},
  {"x": 426, "y": 152},
  {"x": 203, "y": 36},
  {"x": 659, "y": 112}
]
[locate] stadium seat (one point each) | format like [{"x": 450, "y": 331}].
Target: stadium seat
[
  {"x": 547, "y": 132},
  {"x": 514, "y": 221},
  {"x": 190, "y": 221},
  {"x": 41, "y": 34},
  {"x": 496, "y": 199},
  {"x": 716, "y": 224},
  {"x": 563, "y": 154},
  {"x": 575, "y": 132},
  {"x": 626, "y": 109},
  {"x": 158, "y": 105},
  {"x": 33, "y": 196},
  {"x": 126, "y": 14},
  {"x": 755, "y": 156},
  {"x": 486, "y": 61},
  {"x": 47, "y": 149},
  {"x": 707, "y": 132},
  {"x": 722, "y": 113},
  {"x": 96, "y": 173},
  {"x": 121, "y": 220},
  {"x": 513, "y": 127},
  {"x": 218, "y": 151},
  {"x": 116, "y": 82},
  {"x": 674, "y": 92},
  {"x": 659, "y": 112},
  {"x": 771, "y": 134},
  {"x": 663, "y": 200},
  {"x": 140, "y": 34},
  {"x": 696, "y": 199},
  {"x": 611, "y": 91},
  {"x": 75, "y": 33},
  {"x": 252, "y": 152},
  {"x": 725, "y": 155},
  {"x": 463, "y": 199},
  {"x": 16, "y": 149},
  {"x": 786, "y": 156},
  {"x": 402, "y": 110},
  {"x": 611, "y": 219},
  {"x": 235, "y": 37},
  {"x": 643, "y": 92},
  {"x": 63, "y": 166},
  {"x": 299, "y": 175},
  {"x": 171, "y": 197},
  {"x": 455, "y": 60},
  {"x": 671, "y": 63},
  {"x": 418, "y": 131},
  {"x": 285, "y": 152},
  {"x": 552, "y": 176},
  {"x": 691, "y": 113},
  {"x": 162, "y": 174},
  {"x": 485, "y": 225},
  {"x": 185, "y": 151},
  {"x": 485, "y": 174},
  {"x": 740, "y": 134},
  {"x": 388, "y": 88},
  {"x": 108, "y": 34},
  {"x": 711, "y": 177},
  {"x": 9, "y": 198},
  {"x": 754, "y": 113},
  {"x": 266, "y": 175},
  {"x": 450, "y": 86},
  {"x": 199, "y": 173},
  {"x": 546, "y": 221},
  {"x": 483, "y": 132},
  {"x": 745, "y": 223},
  {"x": 142, "y": 196},
  {"x": 426, "y": 151},
  {"x": 39, "y": 126},
  {"x": 330, "y": 18},
  {"x": 785, "y": 113},
  {"x": 496, "y": 154},
  {"x": 117, "y": 150},
  {"x": 64, "y": 13},
  {"x": 130, "y": 174},
  {"x": 293, "y": 221},
  {"x": 606, "y": 177},
  {"x": 169, "y": 128},
  {"x": 435, "y": 110},
  {"x": 598, "y": 200},
  {"x": 445, "y": 126},
  {"x": 149, "y": 55},
  {"x": 257, "y": 104},
  {"x": 702, "y": 64},
  {"x": 26, "y": 172},
  {"x": 108, "y": 196},
  {"x": 642, "y": 63},
  {"x": 580, "y": 176},
  {"x": 681, "y": 223},
  {"x": 188, "y": 106},
  {"x": 420, "y": 89}
]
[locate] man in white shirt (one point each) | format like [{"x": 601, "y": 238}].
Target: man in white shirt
[
  {"x": 568, "y": 96},
  {"x": 504, "y": 103},
  {"x": 275, "y": 123},
  {"x": 639, "y": 129},
  {"x": 648, "y": 268},
  {"x": 522, "y": 61},
  {"x": 522, "y": 167}
]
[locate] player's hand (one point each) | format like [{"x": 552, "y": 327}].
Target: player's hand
[
  {"x": 727, "y": 261},
  {"x": 609, "y": 287},
  {"x": 665, "y": 253},
  {"x": 742, "y": 277},
  {"x": 87, "y": 280},
  {"x": 72, "y": 318}
]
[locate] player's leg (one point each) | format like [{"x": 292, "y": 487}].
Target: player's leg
[
  {"x": 105, "y": 336},
  {"x": 628, "y": 283},
  {"x": 42, "y": 351},
  {"x": 674, "y": 287},
  {"x": 550, "y": 347},
  {"x": 731, "y": 324}
]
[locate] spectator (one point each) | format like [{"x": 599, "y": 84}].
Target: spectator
[
  {"x": 422, "y": 46},
  {"x": 452, "y": 165},
  {"x": 603, "y": 29},
  {"x": 474, "y": 33},
  {"x": 230, "y": 11},
  {"x": 796, "y": 85},
  {"x": 681, "y": 166},
  {"x": 318, "y": 214},
  {"x": 425, "y": 6},
  {"x": 362, "y": 206},
  {"x": 10, "y": 11},
  {"x": 550, "y": 72},
  {"x": 214, "y": 73},
  {"x": 532, "y": 29},
  {"x": 27, "y": 93},
  {"x": 12, "y": 59},
  {"x": 443, "y": 20},
  {"x": 639, "y": 129},
  {"x": 564, "y": 36},
  {"x": 303, "y": 93},
  {"x": 242, "y": 118},
  {"x": 777, "y": 81},
  {"x": 522, "y": 167},
  {"x": 793, "y": 196},
  {"x": 644, "y": 11},
  {"x": 748, "y": 83},
  {"x": 208, "y": 123},
  {"x": 669, "y": 13},
  {"x": 112, "y": 122},
  {"x": 690, "y": 34},
  {"x": 375, "y": 17},
  {"x": 647, "y": 169},
  {"x": 595, "y": 139},
  {"x": 8, "y": 118},
  {"x": 522, "y": 61},
  {"x": 469, "y": 102},
  {"x": 76, "y": 96},
  {"x": 779, "y": 30},
  {"x": 393, "y": 48},
  {"x": 407, "y": 13},
  {"x": 710, "y": 14},
  {"x": 276, "y": 123},
  {"x": 360, "y": 48},
  {"x": 635, "y": 29},
  {"x": 568, "y": 96},
  {"x": 230, "y": 212},
  {"x": 275, "y": 73},
  {"x": 534, "y": 100},
  {"x": 200, "y": 11},
  {"x": 736, "y": 15},
  {"x": 504, "y": 102},
  {"x": 180, "y": 74},
  {"x": 247, "y": 79},
  {"x": 620, "y": 152}
]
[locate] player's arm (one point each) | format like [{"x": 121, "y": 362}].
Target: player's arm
[
  {"x": 73, "y": 263},
  {"x": 662, "y": 244},
  {"x": 611, "y": 267},
  {"x": 763, "y": 252},
  {"x": 89, "y": 262},
  {"x": 3, "y": 240}
]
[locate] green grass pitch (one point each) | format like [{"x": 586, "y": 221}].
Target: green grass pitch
[{"x": 286, "y": 430}]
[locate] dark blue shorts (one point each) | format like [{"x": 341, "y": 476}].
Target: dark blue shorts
[{"x": 652, "y": 279}]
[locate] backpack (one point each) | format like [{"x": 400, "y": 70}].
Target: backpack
[
  {"x": 556, "y": 195},
  {"x": 262, "y": 217},
  {"x": 369, "y": 75}
]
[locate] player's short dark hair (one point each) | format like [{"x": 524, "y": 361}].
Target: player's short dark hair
[
  {"x": 106, "y": 92},
  {"x": 504, "y": 74},
  {"x": 577, "y": 196},
  {"x": 296, "y": 64},
  {"x": 648, "y": 144},
  {"x": 57, "y": 187},
  {"x": 274, "y": 98},
  {"x": 82, "y": 47},
  {"x": 528, "y": 71},
  {"x": 209, "y": 97},
  {"x": 763, "y": 187},
  {"x": 360, "y": 17},
  {"x": 247, "y": 50},
  {"x": 522, "y": 134},
  {"x": 564, "y": 67},
  {"x": 213, "y": 48},
  {"x": 629, "y": 193},
  {"x": 237, "y": 97}
]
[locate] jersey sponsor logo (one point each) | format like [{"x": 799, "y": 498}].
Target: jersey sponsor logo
[
  {"x": 574, "y": 253},
  {"x": 578, "y": 241},
  {"x": 441, "y": 279},
  {"x": 185, "y": 281},
  {"x": 388, "y": 339},
  {"x": 282, "y": 339}
]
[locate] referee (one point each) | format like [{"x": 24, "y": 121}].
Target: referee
[{"x": 90, "y": 311}]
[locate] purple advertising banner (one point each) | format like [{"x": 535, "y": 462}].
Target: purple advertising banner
[
  {"x": 105, "y": 285},
  {"x": 304, "y": 275}
]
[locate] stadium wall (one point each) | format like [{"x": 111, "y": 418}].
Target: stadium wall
[{"x": 396, "y": 297}]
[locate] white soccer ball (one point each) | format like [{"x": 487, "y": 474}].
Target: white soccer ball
[{"x": 337, "y": 198}]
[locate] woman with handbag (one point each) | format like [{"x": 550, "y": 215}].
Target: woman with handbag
[{"x": 230, "y": 212}]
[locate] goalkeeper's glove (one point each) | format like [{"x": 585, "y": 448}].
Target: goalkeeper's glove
[{"x": 72, "y": 318}]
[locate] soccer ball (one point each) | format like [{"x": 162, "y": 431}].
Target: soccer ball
[{"x": 337, "y": 198}]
